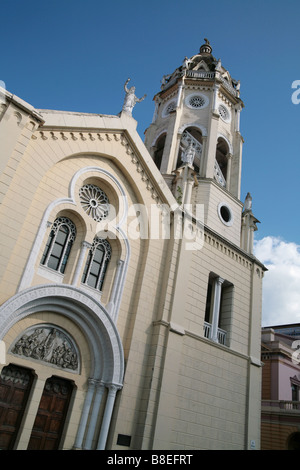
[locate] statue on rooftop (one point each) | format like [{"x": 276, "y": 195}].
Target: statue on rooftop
[
  {"x": 248, "y": 202},
  {"x": 130, "y": 98}
]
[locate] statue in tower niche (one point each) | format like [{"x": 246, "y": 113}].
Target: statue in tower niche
[
  {"x": 130, "y": 98},
  {"x": 188, "y": 154}
]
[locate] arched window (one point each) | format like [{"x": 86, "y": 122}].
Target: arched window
[
  {"x": 97, "y": 262},
  {"x": 59, "y": 244},
  {"x": 221, "y": 162}
]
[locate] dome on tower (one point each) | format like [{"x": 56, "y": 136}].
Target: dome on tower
[{"x": 206, "y": 48}]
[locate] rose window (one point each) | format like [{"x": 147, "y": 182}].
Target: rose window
[
  {"x": 94, "y": 202},
  {"x": 171, "y": 107},
  {"x": 224, "y": 113},
  {"x": 197, "y": 102}
]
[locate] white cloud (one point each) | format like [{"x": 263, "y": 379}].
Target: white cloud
[{"x": 281, "y": 284}]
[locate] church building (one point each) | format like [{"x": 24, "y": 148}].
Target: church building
[{"x": 130, "y": 297}]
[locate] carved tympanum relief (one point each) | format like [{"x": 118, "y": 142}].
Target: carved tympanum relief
[{"x": 48, "y": 344}]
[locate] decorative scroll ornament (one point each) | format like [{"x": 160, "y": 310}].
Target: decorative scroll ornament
[
  {"x": 48, "y": 344},
  {"x": 94, "y": 202}
]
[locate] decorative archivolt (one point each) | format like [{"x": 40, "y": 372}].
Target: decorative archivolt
[{"x": 201, "y": 128}]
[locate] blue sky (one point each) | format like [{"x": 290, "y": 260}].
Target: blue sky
[{"x": 76, "y": 55}]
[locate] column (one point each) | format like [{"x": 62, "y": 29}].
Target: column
[
  {"x": 31, "y": 411},
  {"x": 85, "y": 414},
  {"x": 95, "y": 414},
  {"x": 179, "y": 94},
  {"x": 190, "y": 181},
  {"x": 216, "y": 307},
  {"x": 111, "y": 306},
  {"x": 85, "y": 245},
  {"x": 228, "y": 173},
  {"x": 203, "y": 158},
  {"x": 107, "y": 416},
  {"x": 216, "y": 90}
]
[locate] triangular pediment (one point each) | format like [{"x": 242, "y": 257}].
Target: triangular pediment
[
  {"x": 226, "y": 76},
  {"x": 202, "y": 65}
]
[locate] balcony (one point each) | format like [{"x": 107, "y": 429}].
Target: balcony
[{"x": 221, "y": 333}]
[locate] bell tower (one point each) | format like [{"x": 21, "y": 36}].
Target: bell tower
[{"x": 195, "y": 139}]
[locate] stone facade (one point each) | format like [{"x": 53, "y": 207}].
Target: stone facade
[{"x": 156, "y": 368}]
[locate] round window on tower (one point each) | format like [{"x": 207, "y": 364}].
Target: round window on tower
[
  {"x": 224, "y": 113},
  {"x": 196, "y": 101},
  {"x": 169, "y": 108},
  {"x": 225, "y": 214}
]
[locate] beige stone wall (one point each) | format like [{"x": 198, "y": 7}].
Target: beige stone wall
[{"x": 196, "y": 394}]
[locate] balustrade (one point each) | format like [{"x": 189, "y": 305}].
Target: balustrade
[
  {"x": 221, "y": 333},
  {"x": 219, "y": 175}
]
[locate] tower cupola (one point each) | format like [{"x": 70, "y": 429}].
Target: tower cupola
[
  {"x": 206, "y": 48},
  {"x": 197, "y": 123}
]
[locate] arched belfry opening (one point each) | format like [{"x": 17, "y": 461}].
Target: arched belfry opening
[
  {"x": 190, "y": 148},
  {"x": 159, "y": 150},
  {"x": 221, "y": 163}
]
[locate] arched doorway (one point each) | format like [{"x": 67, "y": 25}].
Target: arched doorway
[
  {"x": 294, "y": 441},
  {"x": 105, "y": 352}
]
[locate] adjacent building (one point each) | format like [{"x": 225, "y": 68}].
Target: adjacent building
[
  {"x": 130, "y": 297},
  {"x": 280, "y": 420}
]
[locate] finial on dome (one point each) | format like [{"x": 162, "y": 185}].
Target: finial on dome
[{"x": 206, "y": 47}]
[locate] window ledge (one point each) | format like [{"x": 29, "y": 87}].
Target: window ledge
[
  {"x": 50, "y": 274},
  {"x": 94, "y": 292}
]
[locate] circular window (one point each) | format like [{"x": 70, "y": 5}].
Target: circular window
[
  {"x": 225, "y": 214},
  {"x": 224, "y": 113},
  {"x": 94, "y": 201},
  {"x": 171, "y": 106},
  {"x": 197, "y": 101}
]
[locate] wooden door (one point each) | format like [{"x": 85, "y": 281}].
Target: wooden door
[
  {"x": 49, "y": 422},
  {"x": 15, "y": 385}
]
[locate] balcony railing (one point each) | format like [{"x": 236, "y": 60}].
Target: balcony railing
[
  {"x": 200, "y": 74},
  {"x": 287, "y": 405},
  {"x": 219, "y": 175},
  {"x": 221, "y": 333}
]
